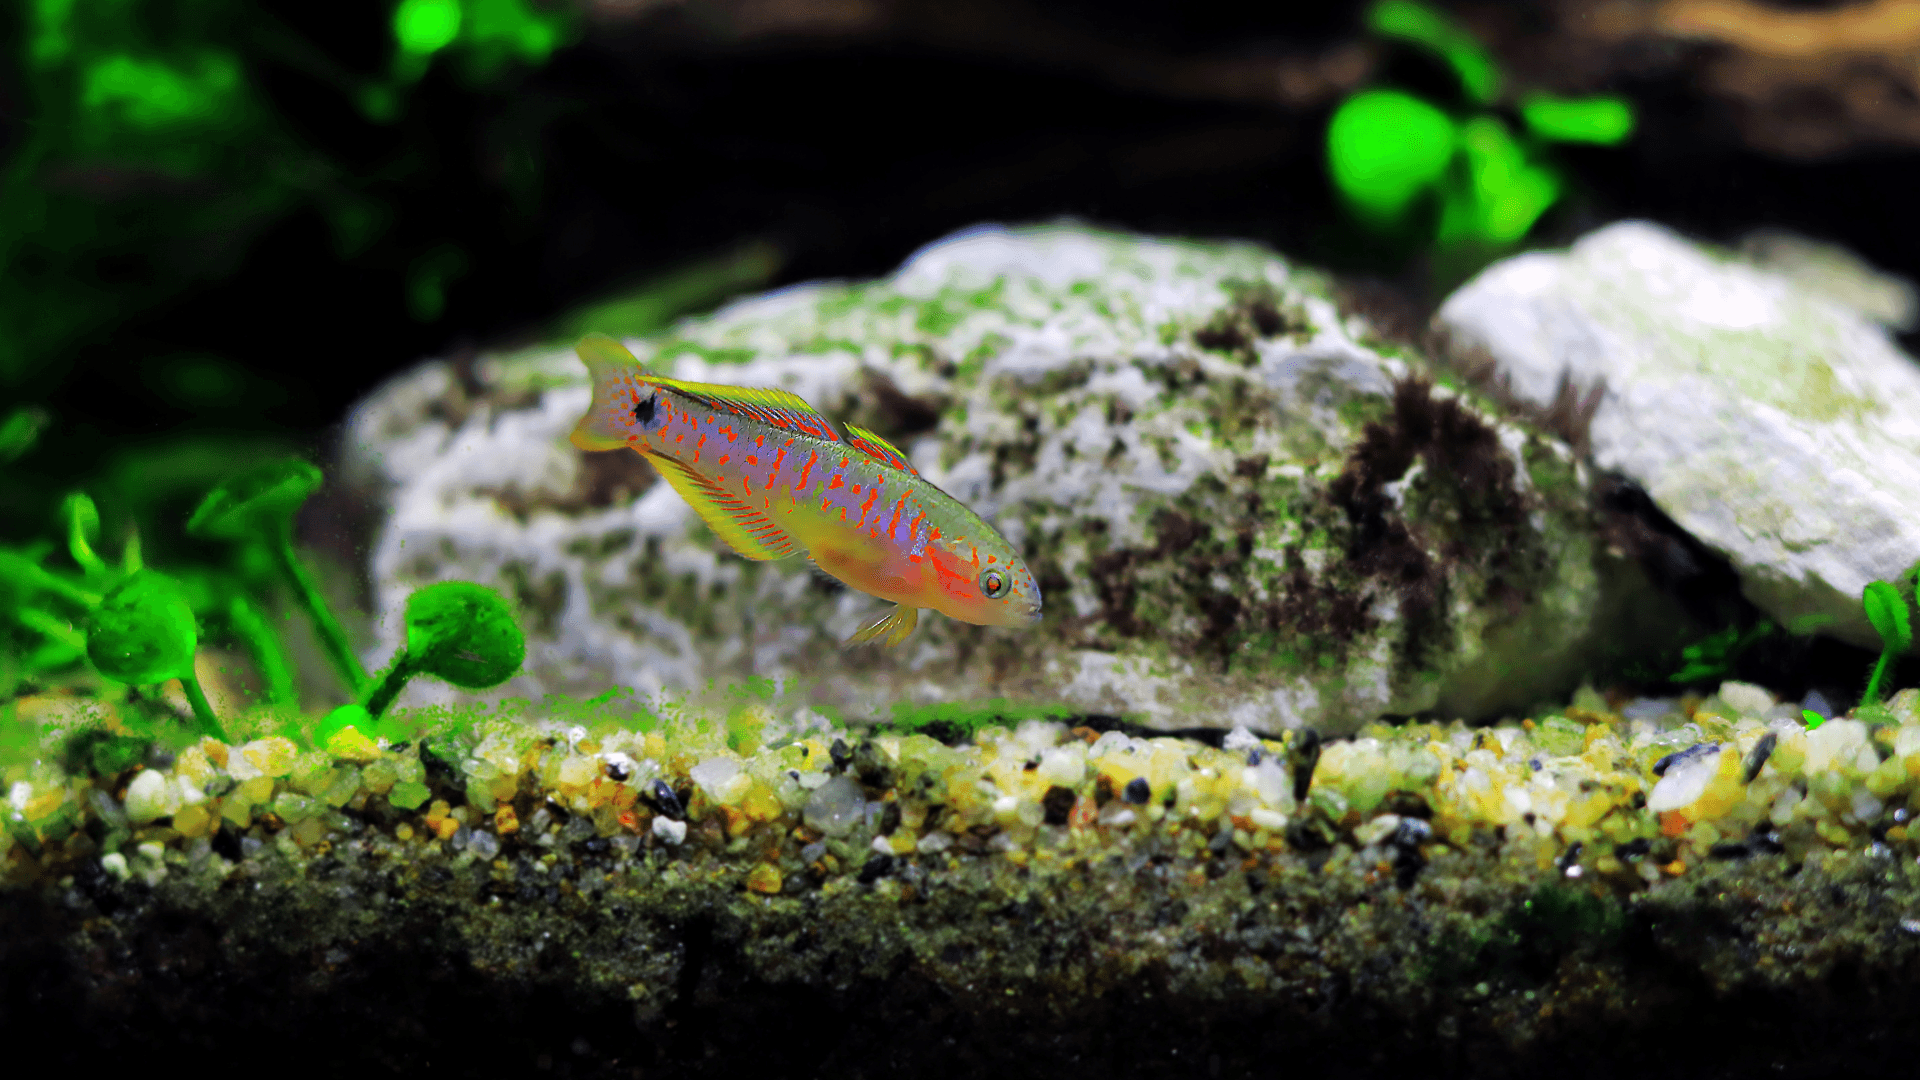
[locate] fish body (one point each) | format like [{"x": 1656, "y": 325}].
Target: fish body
[{"x": 774, "y": 479}]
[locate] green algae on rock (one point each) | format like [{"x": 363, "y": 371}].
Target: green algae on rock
[{"x": 1238, "y": 513}]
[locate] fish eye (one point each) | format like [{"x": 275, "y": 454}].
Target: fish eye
[{"x": 993, "y": 584}]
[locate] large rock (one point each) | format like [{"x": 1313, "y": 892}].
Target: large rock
[
  {"x": 1764, "y": 409},
  {"x": 1238, "y": 512}
]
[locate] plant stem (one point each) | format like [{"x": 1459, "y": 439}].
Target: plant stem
[
  {"x": 1873, "y": 683},
  {"x": 332, "y": 637},
  {"x": 391, "y": 682},
  {"x": 202, "y": 710},
  {"x": 269, "y": 653}
]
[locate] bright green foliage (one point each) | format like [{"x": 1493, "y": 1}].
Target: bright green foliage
[
  {"x": 960, "y": 721},
  {"x": 1384, "y": 148},
  {"x": 143, "y": 631},
  {"x": 426, "y": 26},
  {"x": 19, "y": 431},
  {"x": 463, "y": 633},
  {"x": 1887, "y": 611},
  {"x": 1504, "y": 192},
  {"x": 1422, "y": 25},
  {"x": 1713, "y": 656},
  {"x": 1812, "y": 719},
  {"x": 491, "y": 33},
  {"x": 258, "y": 506},
  {"x": 83, "y": 531},
  {"x": 1603, "y": 120},
  {"x": 456, "y": 631},
  {"x": 154, "y": 94}
]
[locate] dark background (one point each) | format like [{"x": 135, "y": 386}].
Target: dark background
[{"x": 172, "y": 297}]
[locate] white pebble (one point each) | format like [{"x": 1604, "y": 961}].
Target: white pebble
[
  {"x": 116, "y": 864},
  {"x": 835, "y": 807},
  {"x": 673, "y": 832},
  {"x": 150, "y": 797}
]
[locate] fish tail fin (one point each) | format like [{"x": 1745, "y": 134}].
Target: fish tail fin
[
  {"x": 615, "y": 373},
  {"x": 889, "y": 629}
]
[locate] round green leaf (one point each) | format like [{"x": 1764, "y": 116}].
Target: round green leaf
[
  {"x": 1384, "y": 148},
  {"x": 463, "y": 633},
  {"x": 1887, "y": 611},
  {"x": 1605, "y": 120},
  {"x": 143, "y": 631},
  {"x": 256, "y": 502}
]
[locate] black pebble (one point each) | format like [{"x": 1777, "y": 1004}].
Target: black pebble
[
  {"x": 877, "y": 867},
  {"x": 1137, "y": 791},
  {"x": 1757, "y": 757},
  {"x": 1633, "y": 849},
  {"x": 667, "y": 802},
  {"x": 841, "y": 754},
  {"x": 1305, "y": 753},
  {"x": 1058, "y": 804}
]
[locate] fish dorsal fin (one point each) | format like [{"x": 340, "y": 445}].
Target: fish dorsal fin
[
  {"x": 879, "y": 449},
  {"x": 746, "y": 529},
  {"x": 776, "y": 407}
]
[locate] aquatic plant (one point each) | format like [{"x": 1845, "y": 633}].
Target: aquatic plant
[
  {"x": 143, "y": 632},
  {"x": 258, "y": 506},
  {"x": 459, "y": 632},
  {"x": 1887, "y": 610},
  {"x": 139, "y": 627},
  {"x": 1388, "y": 151}
]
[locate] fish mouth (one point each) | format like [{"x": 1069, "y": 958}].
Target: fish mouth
[{"x": 1033, "y": 614}]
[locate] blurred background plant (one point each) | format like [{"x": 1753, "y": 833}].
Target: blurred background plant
[
  {"x": 1454, "y": 173},
  {"x": 223, "y": 221}
]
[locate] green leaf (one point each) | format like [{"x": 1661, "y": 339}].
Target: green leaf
[
  {"x": 1605, "y": 120},
  {"x": 1505, "y": 192},
  {"x": 83, "y": 531},
  {"x": 19, "y": 431},
  {"x": 1384, "y": 148},
  {"x": 463, "y": 633},
  {"x": 1887, "y": 611},
  {"x": 1421, "y": 25},
  {"x": 257, "y": 503},
  {"x": 143, "y": 631},
  {"x": 1812, "y": 719}
]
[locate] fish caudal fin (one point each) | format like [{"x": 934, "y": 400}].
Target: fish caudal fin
[
  {"x": 614, "y": 371},
  {"x": 890, "y": 629}
]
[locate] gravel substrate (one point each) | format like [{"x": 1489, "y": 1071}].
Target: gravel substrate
[{"x": 1687, "y": 887}]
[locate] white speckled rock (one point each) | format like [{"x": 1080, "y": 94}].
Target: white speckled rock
[
  {"x": 1774, "y": 422},
  {"x": 1233, "y": 517}
]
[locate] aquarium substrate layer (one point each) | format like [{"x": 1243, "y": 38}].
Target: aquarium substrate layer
[{"x": 1682, "y": 887}]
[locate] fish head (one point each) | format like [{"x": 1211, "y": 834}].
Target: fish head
[{"x": 984, "y": 581}]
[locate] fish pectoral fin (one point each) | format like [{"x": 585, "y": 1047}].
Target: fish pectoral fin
[
  {"x": 890, "y": 629},
  {"x": 746, "y": 529}
]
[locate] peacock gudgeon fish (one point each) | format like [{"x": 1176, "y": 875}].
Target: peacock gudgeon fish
[{"x": 774, "y": 479}]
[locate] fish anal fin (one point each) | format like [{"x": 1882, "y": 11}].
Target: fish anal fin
[
  {"x": 746, "y": 529},
  {"x": 889, "y": 629},
  {"x": 879, "y": 449},
  {"x": 778, "y": 408}
]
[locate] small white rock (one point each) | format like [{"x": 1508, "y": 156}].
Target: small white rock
[
  {"x": 150, "y": 797},
  {"x": 673, "y": 832}
]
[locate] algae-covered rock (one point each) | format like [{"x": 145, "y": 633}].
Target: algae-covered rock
[
  {"x": 1763, "y": 408},
  {"x": 1238, "y": 512}
]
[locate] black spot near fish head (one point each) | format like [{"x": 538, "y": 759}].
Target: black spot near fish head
[{"x": 643, "y": 410}]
